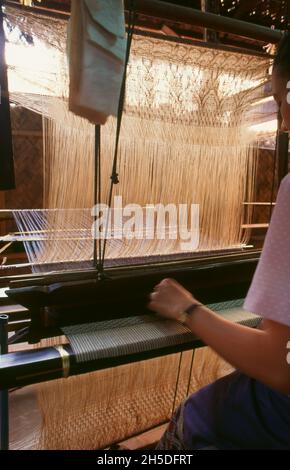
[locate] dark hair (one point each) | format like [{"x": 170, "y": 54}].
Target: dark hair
[{"x": 282, "y": 58}]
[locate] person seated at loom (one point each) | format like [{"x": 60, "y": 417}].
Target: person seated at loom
[{"x": 250, "y": 408}]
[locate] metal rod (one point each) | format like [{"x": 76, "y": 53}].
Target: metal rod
[
  {"x": 40, "y": 365},
  {"x": 4, "y": 411},
  {"x": 190, "y": 16}
]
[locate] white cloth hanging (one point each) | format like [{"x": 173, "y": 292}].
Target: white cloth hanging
[{"x": 97, "y": 48}]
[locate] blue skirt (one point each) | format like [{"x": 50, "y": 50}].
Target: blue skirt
[{"x": 235, "y": 412}]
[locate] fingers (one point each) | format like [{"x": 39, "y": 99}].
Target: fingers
[
  {"x": 164, "y": 283},
  {"x": 156, "y": 296},
  {"x": 153, "y": 295},
  {"x": 159, "y": 288},
  {"x": 152, "y": 306}
]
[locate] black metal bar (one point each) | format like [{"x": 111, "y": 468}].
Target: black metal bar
[
  {"x": 7, "y": 178},
  {"x": 164, "y": 268},
  {"x": 4, "y": 411},
  {"x": 97, "y": 196},
  {"x": 180, "y": 14},
  {"x": 109, "y": 297},
  {"x": 28, "y": 367},
  {"x": 282, "y": 154}
]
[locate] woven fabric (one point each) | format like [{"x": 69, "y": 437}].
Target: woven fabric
[
  {"x": 227, "y": 305},
  {"x": 112, "y": 338},
  {"x": 126, "y": 336}
]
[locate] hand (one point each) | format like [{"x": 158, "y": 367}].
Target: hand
[{"x": 169, "y": 299}]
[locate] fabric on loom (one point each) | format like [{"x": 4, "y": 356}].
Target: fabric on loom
[
  {"x": 92, "y": 411},
  {"x": 268, "y": 295},
  {"x": 187, "y": 137},
  {"x": 137, "y": 334},
  {"x": 97, "y": 47},
  {"x": 118, "y": 337}
]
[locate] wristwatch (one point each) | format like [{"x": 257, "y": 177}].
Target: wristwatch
[{"x": 183, "y": 316}]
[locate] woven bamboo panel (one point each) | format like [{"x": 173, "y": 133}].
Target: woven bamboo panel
[
  {"x": 28, "y": 160},
  {"x": 23, "y": 119},
  {"x": 28, "y": 165},
  {"x": 94, "y": 410},
  {"x": 266, "y": 186}
]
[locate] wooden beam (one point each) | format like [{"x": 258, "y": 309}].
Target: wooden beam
[
  {"x": 255, "y": 226},
  {"x": 27, "y": 133},
  {"x": 146, "y": 440},
  {"x": 7, "y": 177},
  {"x": 6, "y": 214},
  {"x": 259, "y": 203},
  {"x": 45, "y": 10}
]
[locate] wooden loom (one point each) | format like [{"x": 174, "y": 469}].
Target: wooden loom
[{"x": 49, "y": 298}]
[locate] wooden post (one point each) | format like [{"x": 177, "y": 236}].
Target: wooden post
[
  {"x": 2, "y": 206},
  {"x": 210, "y": 6},
  {"x": 282, "y": 155},
  {"x": 4, "y": 415},
  {"x": 7, "y": 179}
]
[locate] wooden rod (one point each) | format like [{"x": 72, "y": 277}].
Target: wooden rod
[
  {"x": 255, "y": 225},
  {"x": 283, "y": 154},
  {"x": 259, "y": 203},
  {"x": 4, "y": 404},
  {"x": 42, "y": 10}
]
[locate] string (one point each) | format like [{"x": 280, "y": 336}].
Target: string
[
  {"x": 275, "y": 160},
  {"x": 190, "y": 372},
  {"x": 97, "y": 198},
  {"x": 186, "y": 138},
  {"x": 114, "y": 176},
  {"x": 177, "y": 383}
]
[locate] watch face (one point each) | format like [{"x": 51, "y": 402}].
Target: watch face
[{"x": 182, "y": 317}]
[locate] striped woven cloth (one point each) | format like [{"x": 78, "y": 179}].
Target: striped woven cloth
[{"x": 111, "y": 338}]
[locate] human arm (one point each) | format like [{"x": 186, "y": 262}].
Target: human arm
[{"x": 258, "y": 353}]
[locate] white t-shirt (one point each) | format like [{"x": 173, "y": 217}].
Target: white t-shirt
[{"x": 269, "y": 294}]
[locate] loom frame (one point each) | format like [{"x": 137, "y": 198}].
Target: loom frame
[
  {"x": 181, "y": 14},
  {"x": 47, "y": 364},
  {"x": 20, "y": 285}
]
